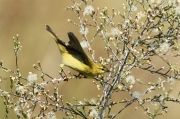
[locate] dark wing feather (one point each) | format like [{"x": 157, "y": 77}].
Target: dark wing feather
[
  {"x": 77, "y": 46},
  {"x": 73, "y": 44}
]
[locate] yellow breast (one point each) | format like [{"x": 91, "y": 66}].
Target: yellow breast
[{"x": 75, "y": 64}]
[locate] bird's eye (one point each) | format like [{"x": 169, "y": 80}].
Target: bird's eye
[{"x": 103, "y": 69}]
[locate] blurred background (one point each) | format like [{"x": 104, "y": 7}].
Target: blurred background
[{"x": 28, "y": 18}]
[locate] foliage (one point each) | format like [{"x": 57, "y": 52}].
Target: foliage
[{"x": 135, "y": 42}]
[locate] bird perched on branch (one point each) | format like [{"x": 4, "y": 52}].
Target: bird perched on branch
[{"x": 74, "y": 56}]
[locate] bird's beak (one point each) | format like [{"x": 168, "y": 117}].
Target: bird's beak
[{"x": 107, "y": 70}]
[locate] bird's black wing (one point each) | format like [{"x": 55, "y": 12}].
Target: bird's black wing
[
  {"x": 77, "y": 46},
  {"x": 73, "y": 44}
]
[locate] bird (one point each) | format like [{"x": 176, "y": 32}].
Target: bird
[{"x": 73, "y": 56}]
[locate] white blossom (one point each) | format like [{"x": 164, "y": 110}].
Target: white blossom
[
  {"x": 88, "y": 10},
  {"x": 57, "y": 79},
  {"x": 171, "y": 81},
  {"x": 155, "y": 30},
  {"x": 159, "y": 1},
  {"x": 81, "y": 103},
  {"x": 18, "y": 111},
  {"x": 120, "y": 86},
  {"x": 84, "y": 44},
  {"x": 161, "y": 98},
  {"x": 98, "y": 87},
  {"x": 130, "y": 79},
  {"x": 35, "y": 90},
  {"x": 93, "y": 101},
  {"x": 164, "y": 47},
  {"x": 4, "y": 93},
  {"x": 152, "y": 1},
  {"x": 84, "y": 30},
  {"x": 140, "y": 15},
  {"x": 93, "y": 113},
  {"x": 171, "y": 2},
  {"x": 29, "y": 113},
  {"x": 115, "y": 31},
  {"x": 177, "y": 10},
  {"x": 32, "y": 78},
  {"x": 51, "y": 115},
  {"x": 133, "y": 8},
  {"x": 21, "y": 89},
  {"x": 21, "y": 104},
  {"x": 156, "y": 1},
  {"x": 136, "y": 94}
]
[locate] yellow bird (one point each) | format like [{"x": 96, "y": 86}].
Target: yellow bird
[{"x": 74, "y": 56}]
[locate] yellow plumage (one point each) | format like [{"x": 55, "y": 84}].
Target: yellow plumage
[{"x": 74, "y": 56}]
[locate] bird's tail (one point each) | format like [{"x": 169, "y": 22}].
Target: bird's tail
[{"x": 55, "y": 37}]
